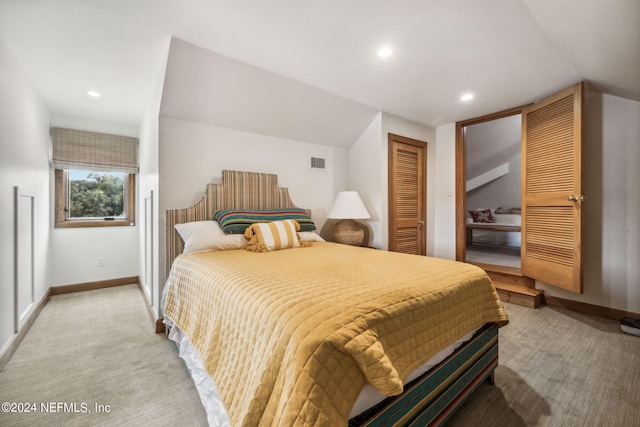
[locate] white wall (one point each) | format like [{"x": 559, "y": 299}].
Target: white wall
[
  {"x": 365, "y": 177},
  {"x": 611, "y": 242},
  {"x": 148, "y": 179},
  {"x": 151, "y": 276},
  {"x": 502, "y": 192},
  {"x": 74, "y": 252},
  {"x": 193, "y": 154},
  {"x": 24, "y": 147},
  {"x": 445, "y": 232}
]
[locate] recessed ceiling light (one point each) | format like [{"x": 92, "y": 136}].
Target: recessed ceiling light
[
  {"x": 93, "y": 93},
  {"x": 467, "y": 97},
  {"x": 384, "y": 52}
]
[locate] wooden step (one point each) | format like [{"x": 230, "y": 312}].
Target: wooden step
[
  {"x": 510, "y": 275},
  {"x": 519, "y": 295},
  {"x": 512, "y": 279},
  {"x": 512, "y": 286}
]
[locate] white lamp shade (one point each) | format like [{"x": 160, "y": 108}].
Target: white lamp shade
[{"x": 348, "y": 205}]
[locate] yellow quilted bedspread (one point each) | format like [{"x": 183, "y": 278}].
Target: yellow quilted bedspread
[{"x": 291, "y": 337}]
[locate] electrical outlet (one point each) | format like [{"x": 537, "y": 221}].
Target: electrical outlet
[{"x": 100, "y": 261}]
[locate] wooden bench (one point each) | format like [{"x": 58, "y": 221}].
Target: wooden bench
[{"x": 488, "y": 226}]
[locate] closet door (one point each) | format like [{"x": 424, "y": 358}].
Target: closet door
[
  {"x": 552, "y": 189},
  {"x": 407, "y": 195}
]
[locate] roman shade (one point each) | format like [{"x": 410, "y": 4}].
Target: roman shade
[{"x": 77, "y": 149}]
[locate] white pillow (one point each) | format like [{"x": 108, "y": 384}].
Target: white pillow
[
  {"x": 203, "y": 236},
  {"x": 309, "y": 236}
]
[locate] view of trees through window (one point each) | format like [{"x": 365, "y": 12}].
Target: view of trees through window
[{"x": 96, "y": 194}]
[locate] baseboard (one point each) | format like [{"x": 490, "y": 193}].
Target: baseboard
[
  {"x": 590, "y": 309},
  {"x": 16, "y": 339},
  {"x": 158, "y": 324},
  {"x": 90, "y": 286}
]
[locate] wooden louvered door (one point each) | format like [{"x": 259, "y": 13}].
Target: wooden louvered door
[
  {"x": 552, "y": 189},
  {"x": 407, "y": 195}
]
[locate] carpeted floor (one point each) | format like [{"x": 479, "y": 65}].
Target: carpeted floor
[
  {"x": 557, "y": 368},
  {"x": 98, "y": 348}
]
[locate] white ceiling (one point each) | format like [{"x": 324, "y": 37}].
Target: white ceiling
[
  {"x": 507, "y": 52},
  {"x": 206, "y": 87}
]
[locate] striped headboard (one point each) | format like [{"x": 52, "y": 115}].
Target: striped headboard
[{"x": 239, "y": 190}]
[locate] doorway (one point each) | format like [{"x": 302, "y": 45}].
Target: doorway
[
  {"x": 465, "y": 233},
  {"x": 492, "y": 188},
  {"x": 551, "y": 187}
]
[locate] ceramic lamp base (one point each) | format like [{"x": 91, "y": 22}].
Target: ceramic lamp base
[{"x": 348, "y": 232}]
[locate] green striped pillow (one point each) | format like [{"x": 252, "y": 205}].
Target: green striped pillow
[{"x": 236, "y": 221}]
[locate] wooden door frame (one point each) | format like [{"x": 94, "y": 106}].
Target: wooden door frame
[
  {"x": 461, "y": 175},
  {"x": 390, "y": 192}
]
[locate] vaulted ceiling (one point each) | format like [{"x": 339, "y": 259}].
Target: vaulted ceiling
[
  {"x": 506, "y": 52},
  {"x": 491, "y": 144}
]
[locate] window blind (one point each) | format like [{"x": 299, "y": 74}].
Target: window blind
[{"x": 77, "y": 149}]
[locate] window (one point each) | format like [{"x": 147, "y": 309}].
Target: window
[
  {"x": 94, "y": 178},
  {"x": 94, "y": 199}
]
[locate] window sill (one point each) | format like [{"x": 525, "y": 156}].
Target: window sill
[{"x": 79, "y": 223}]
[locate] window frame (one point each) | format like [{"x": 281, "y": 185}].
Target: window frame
[{"x": 62, "y": 197}]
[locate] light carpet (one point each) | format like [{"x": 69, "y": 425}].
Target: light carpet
[
  {"x": 98, "y": 348},
  {"x": 559, "y": 368}
]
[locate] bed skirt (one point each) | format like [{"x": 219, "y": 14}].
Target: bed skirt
[{"x": 432, "y": 399}]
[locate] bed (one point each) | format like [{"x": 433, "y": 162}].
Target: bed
[{"x": 298, "y": 336}]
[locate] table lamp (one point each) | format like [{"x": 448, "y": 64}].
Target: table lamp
[{"x": 346, "y": 207}]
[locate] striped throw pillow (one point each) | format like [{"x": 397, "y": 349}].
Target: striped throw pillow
[
  {"x": 236, "y": 221},
  {"x": 272, "y": 236}
]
